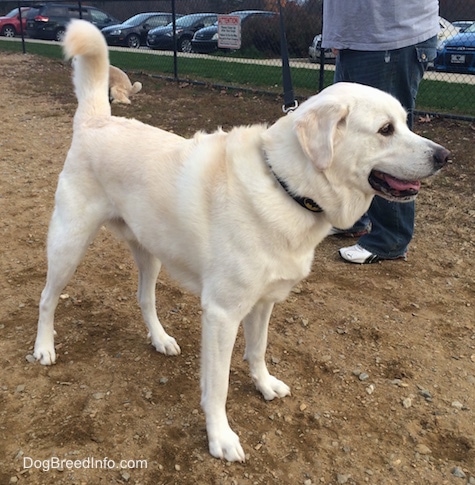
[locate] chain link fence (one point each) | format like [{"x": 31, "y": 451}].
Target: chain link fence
[{"x": 250, "y": 61}]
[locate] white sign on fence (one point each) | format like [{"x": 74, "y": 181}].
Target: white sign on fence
[{"x": 229, "y": 31}]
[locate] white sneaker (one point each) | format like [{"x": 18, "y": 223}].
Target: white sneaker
[{"x": 357, "y": 254}]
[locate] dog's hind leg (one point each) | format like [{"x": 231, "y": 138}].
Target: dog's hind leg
[
  {"x": 68, "y": 239},
  {"x": 149, "y": 267},
  {"x": 256, "y": 325}
]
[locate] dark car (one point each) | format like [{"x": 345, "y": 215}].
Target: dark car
[
  {"x": 48, "y": 21},
  {"x": 10, "y": 23},
  {"x": 206, "y": 40},
  {"x": 133, "y": 32},
  {"x": 186, "y": 26},
  {"x": 457, "y": 54}
]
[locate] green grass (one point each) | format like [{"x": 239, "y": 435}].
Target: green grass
[
  {"x": 51, "y": 50},
  {"x": 220, "y": 72},
  {"x": 434, "y": 96},
  {"x": 446, "y": 97}
]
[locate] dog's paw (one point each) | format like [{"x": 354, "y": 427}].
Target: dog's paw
[
  {"x": 46, "y": 356},
  {"x": 167, "y": 346},
  {"x": 273, "y": 388},
  {"x": 227, "y": 447}
]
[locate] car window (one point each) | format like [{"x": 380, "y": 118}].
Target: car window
[
  {"x": 209, "y": 21},
  {"x": 190, "y": 20},
  {"x": 135, "y": 20},
  {"x": 55, "y": 11},
  {"x": 32, "y": 13},
  {"x": 99, "y": 17},
  {"x": 184, "y": 22},
  {"x": 12, "y": 13},
  {"x": 158, "y": 21},
  {"x": 74, "y": 13}
]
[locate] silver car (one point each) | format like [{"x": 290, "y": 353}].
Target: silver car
[{"x": 315, "y": 49}]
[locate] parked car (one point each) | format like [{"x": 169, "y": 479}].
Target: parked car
[
  {"x": 133, "y": 32},
  {"x": 186, "y": 26},
  {"x": 463, "y": 25},
  {"x": 48, "y": 21},
  {"x": 205, "y": 40},
  {"x": 447, "y": 30},
  {"x": 457, "y": 54},
  {"x": 314, "y": 50},
  {"x": 10, "y": 23}
]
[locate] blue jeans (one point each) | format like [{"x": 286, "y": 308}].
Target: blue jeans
[{"x": 398, "y": 72}]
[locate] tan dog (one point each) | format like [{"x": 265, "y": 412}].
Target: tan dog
[
  {"x": 120, "y": 86},
  {"x": 235, "y": 217}
]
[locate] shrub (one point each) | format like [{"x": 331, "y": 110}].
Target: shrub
[{"x": 263, "y": 34}]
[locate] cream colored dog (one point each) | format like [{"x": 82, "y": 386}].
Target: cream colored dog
[
  {"x": 235, "y": 217},
  {"x": 121, "y": 89}
]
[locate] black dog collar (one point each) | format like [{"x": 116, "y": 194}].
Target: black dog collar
[{"x": 305, "y": 202}]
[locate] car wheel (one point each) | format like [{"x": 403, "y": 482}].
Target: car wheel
[
  {"x": 185, "y": 45},
  {"x": 133, "y": 41},
  {"x": 59, "y": 34},
  {"x": 8, "y": 31}
]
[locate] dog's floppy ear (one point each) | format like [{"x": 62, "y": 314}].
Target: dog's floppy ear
[{"x": 317, "y": 129}]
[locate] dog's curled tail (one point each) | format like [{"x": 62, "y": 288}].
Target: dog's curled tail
[
  {"x": 136, "y": 87},
  {"x": 86, "y": 45}
]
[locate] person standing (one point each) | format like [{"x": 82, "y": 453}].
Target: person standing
[{"x": 386, "y": 44}]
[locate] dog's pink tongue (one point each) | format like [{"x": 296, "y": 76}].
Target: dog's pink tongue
[{"x": 400, "y": 185}]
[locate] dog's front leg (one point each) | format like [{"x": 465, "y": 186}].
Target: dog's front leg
[
  {"x": 218, "y": 337},
  {"x": 256, "y": 325}
]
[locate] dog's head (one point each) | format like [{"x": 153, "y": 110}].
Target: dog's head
[{"x": 358, "y": 136}]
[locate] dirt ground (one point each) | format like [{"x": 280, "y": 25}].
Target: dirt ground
[{"x": 380, "y": 358}]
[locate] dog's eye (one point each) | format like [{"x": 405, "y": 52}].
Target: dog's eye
[{"x": 387, "y": 129}]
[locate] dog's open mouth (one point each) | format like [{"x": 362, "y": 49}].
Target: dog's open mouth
[{"x": 393, "y": 188}]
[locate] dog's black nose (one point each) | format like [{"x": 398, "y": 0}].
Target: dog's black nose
[{"x": 441, "y": 157}]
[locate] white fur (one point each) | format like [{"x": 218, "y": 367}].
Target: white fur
[
  {"x": 121, "y": 89},
  {"x": 211, "y": 210}
]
